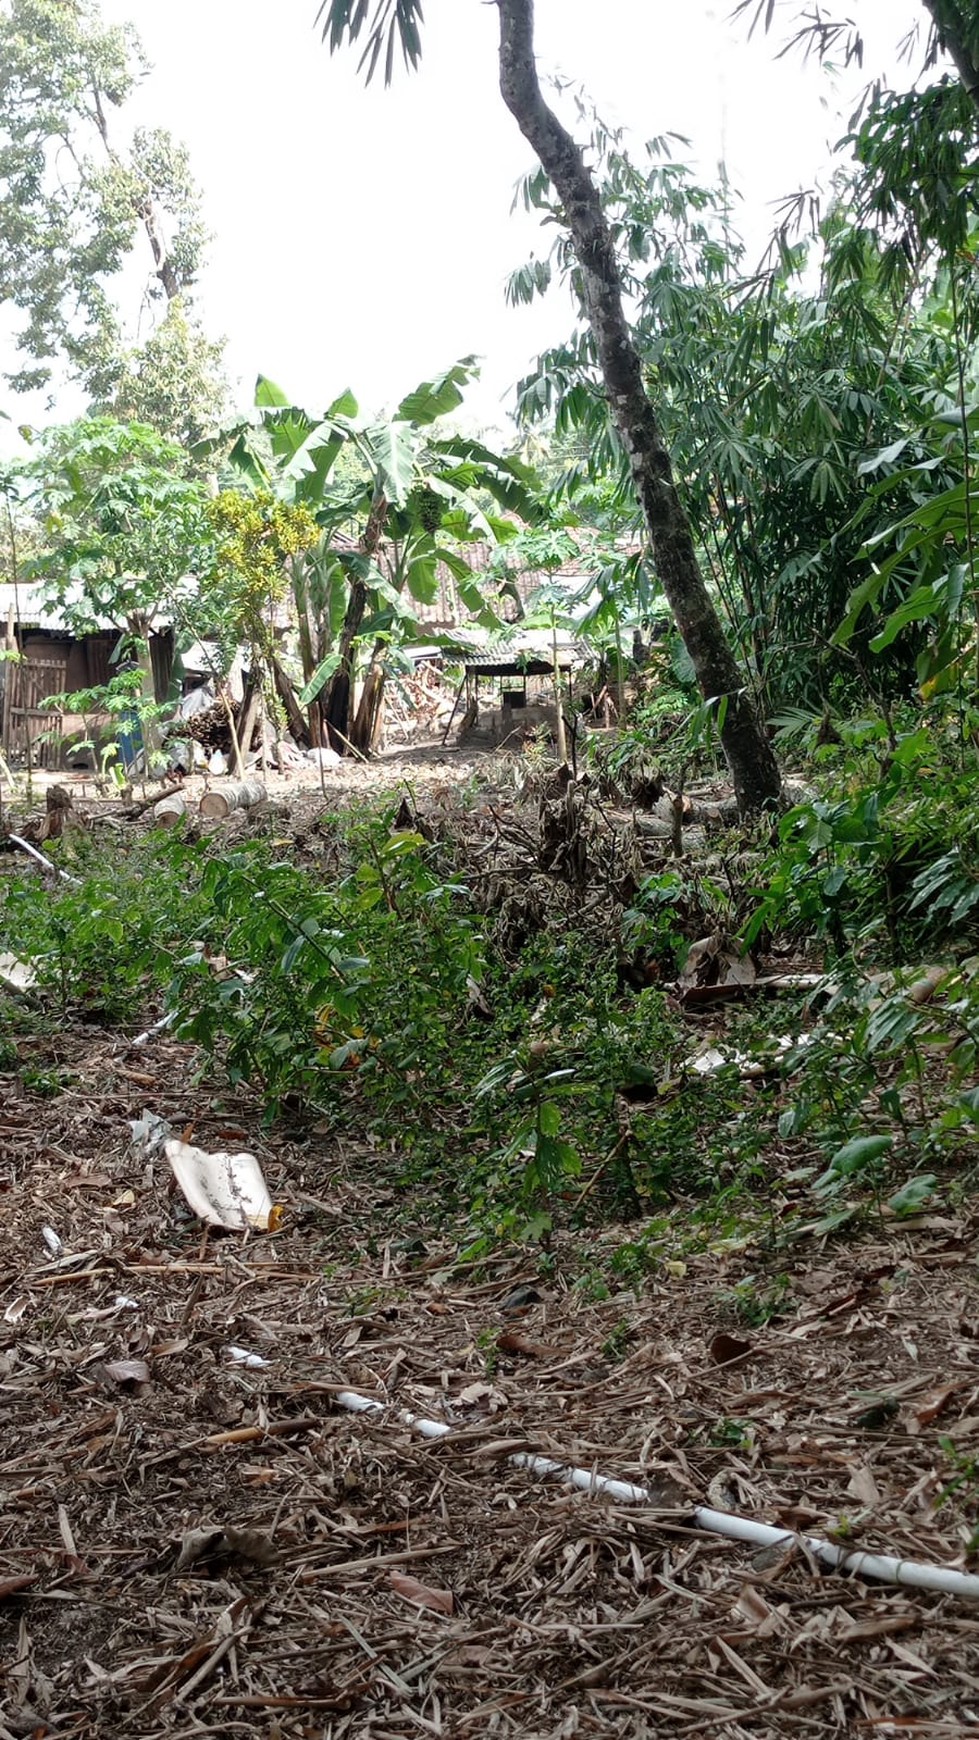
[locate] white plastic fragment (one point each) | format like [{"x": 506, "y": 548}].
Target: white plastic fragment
[
  {"x": 52, "y": 1240},
  {"x": 160, "y": 1026},
  {"x": 710, "y": 1059},
  {"x": 224, "y": 1189},
  {"x": 241, "y": 1356},
  {"x": 881, "y": 1567},
  {"x": 19, "y": 975},
  {"x": 149, "y": 1133}
]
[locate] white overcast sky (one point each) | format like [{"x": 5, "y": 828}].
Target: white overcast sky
[{"x": 362, "y": 238}]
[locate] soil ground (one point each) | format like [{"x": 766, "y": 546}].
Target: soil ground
[{"x": 195, "y": 1538}]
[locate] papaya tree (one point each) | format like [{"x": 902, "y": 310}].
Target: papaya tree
[
  {"x": 752, "y": 764},
  {"x": 122, "y": 527}
]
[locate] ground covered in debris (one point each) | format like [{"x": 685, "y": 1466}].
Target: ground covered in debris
[{"x": 196, "y": 1538}]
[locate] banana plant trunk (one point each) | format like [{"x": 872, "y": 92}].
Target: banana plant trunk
[
  {"x": 308, "y": 650},
  {"x": 337, "y": 696},
  {"x": 367, "y": 719},
  {"x": 749, "y": 755}
]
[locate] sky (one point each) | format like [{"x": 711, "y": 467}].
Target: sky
[{"x": 363, "y": 237}]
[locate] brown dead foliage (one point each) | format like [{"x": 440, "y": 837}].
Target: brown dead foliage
[{"x": 191, "y": 1544}]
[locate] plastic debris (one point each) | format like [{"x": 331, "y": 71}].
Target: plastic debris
[
  {"x": 241, "y": 1356},
  {"x": 149, "y": 1133},
  {"x": 17, "y": 974},
  {"x": 224, "y": 1189}
]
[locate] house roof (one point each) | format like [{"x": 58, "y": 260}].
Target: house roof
[
  {"x": 25, "y": 604},
  {"x": 529, "y": 651},
  {"x": 36, "y": 611}
]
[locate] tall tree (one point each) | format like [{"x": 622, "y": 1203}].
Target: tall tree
[
  {"x": 73, "y": 205},
  {"x": 749, "y": 755},
  {"x": 779, "y": 395}
]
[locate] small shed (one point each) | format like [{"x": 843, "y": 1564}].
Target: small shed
[
  {"x": 512, "y": 679},
  {"x": 44, "y": 657}
]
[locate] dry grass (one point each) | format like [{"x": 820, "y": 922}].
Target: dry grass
[
  {"x": 356, "y": 1579},
  {"x": 193, "y": 1545}
]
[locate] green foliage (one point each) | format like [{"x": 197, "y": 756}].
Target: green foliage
[
  {"x": 336, "y": 996},
  {"x": 124, "y": 524},
  {"x": 411, "y": 496},
  {"x": 174, "y": 381},
  {"x": 105, "y": 944},
  {"x": 66, "y": 238},
  {"x": 393, "y": 24},
  {"x": 354, "y": 1000},
  {"x": 770, "y": 397},
  {"x": 886, "y": 1062},
  {"x": 122, "y": 702},
  {"x": 889, "y": 856}
]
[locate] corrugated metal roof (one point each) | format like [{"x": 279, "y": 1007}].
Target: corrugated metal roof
[
  {"x": 33, "y": 612},
  {"x": 530, "y": 646},
  {"x": 37, "y": 612}
]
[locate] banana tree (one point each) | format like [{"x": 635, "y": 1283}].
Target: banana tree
[
  {"x": 413, "y": 497},
  {"x": 423, "y": 500},
  {"x": 291, "y": 454},
  {"x": 458, "y": 484}
]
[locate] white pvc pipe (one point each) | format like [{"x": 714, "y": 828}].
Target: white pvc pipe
[
  {"x": 880, "y": 1566},
  {"x": 33, "y": 852}
]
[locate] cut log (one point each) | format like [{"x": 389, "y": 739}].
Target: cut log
[
  {"x": 169, "y": 810},
  {"x": 221, "y": 800}
]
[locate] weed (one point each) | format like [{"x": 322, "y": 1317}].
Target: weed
[
  {"x": 616, "y": 1343},
  {"x": 728, "y": 1434},
  {"x": 757, "y": 1302},
  {"x": 963, "y": 1484}
]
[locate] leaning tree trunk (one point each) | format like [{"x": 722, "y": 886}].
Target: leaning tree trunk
[
  {"x": 336, "y": 700},
  {"x": 959, "y": 37},
  {"x": 754, "y": 769}
]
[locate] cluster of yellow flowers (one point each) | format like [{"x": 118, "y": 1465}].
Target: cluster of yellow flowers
[{"x": 256, "y": 535}]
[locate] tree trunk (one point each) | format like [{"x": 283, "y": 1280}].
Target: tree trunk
[
  {"x": 287, "y": 695},
  {"x": 754, "y": 769},
  {"x": 147, "y": 212},
  {"x": 336, "y": 700},
  {"x": 149, "y": 728},
  {"x": 307, "y": 651},
  {"x": 954, "y": 33},
  {"x": 248, "y": 715},
  {"x": 363, "y": 731}
]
